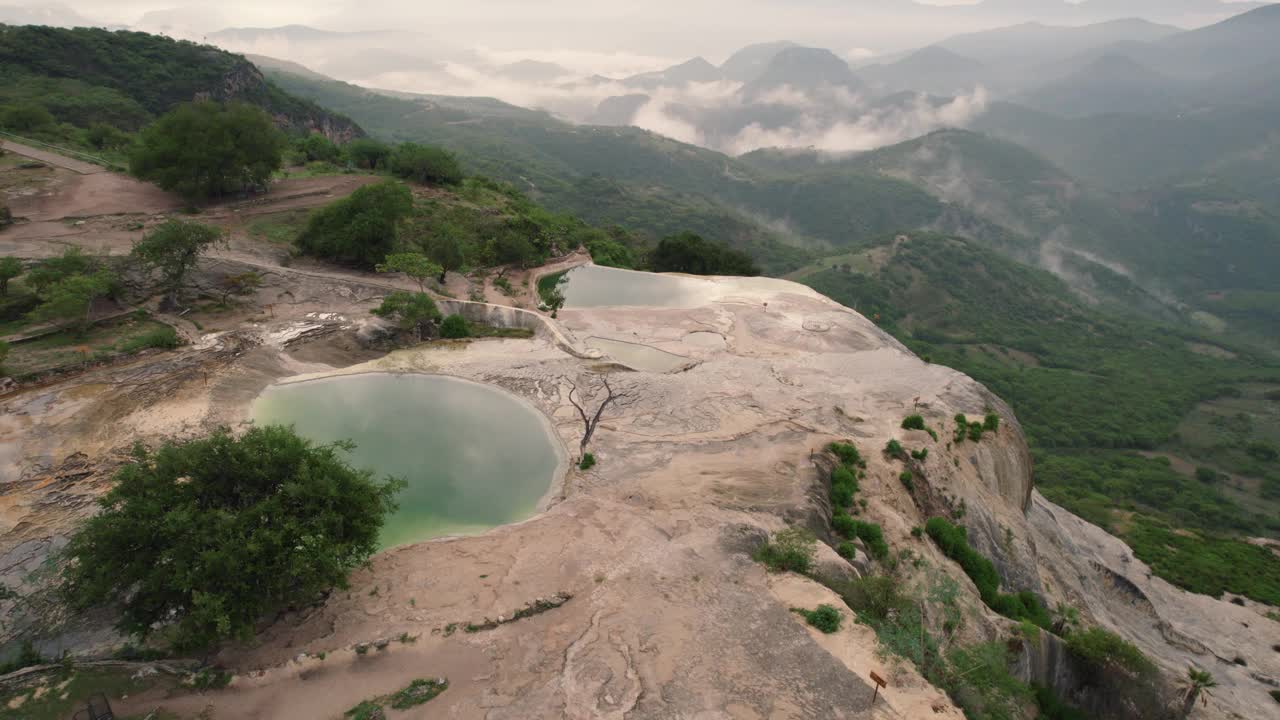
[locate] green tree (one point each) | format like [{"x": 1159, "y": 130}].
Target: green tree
[
  {"x": 512, "y": 249},
  {"x": 411, "y": 311},
  {"x": 1196, "y": 687},
  {"x": 206, "y": 149},
  {"x": 10, "y": 268},
  {"x": 73, "y": 261},
  {"x": 202, "y": 539},
  {"x": 360, "y": 229},
  {"x": 68, "y": 303},
  {"x": 455, "y": 327},
  {"x": 691, "y": 253},
  {"x": 415, "y": 265},
  {"x": 316, "y": 147},
  {"x": 426, "y": 164},
  {"x": 27, "y": 117},
  {"x": 442, "y": 246},
  {"x": 368, "y": 153},
  {"x": 173, "y": 249},
  {"x": 104, "y": 136}
]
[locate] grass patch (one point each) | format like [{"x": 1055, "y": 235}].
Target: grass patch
[
  {"x": 791, "y": 550},
  {"x": 418, "y": 692},
  {"x": 55, "y": 704},
  {"x": 100, "y": 342},
  {"x": 280, "y": 228}
]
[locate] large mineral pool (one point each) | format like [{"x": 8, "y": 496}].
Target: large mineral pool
[
  {"x": 596, "y": 286},
  {"x": 474, "y": 456}
]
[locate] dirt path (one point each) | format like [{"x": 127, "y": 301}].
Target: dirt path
[{"x": 52, "y": 158}]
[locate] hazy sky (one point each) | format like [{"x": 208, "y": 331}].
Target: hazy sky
[{"x": 657, "y": 28}]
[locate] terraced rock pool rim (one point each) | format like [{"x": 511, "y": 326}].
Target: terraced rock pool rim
[{"x": 509, "y": 466}]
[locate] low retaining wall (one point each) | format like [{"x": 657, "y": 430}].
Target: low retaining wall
[{"x": 510, "y": 317}]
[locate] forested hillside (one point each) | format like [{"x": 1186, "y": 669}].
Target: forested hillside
[
  {"x": 88, "y": 76},
  {"x": 1103, "y": 401}
]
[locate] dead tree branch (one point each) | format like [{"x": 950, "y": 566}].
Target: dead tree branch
[{"x": 590, "y": 421}]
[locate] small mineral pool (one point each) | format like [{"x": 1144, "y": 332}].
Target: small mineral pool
[
  {"x": 474, "y": 456},
  {"x": 639, "y": 357},
  {"x": 596, "y": 286}
]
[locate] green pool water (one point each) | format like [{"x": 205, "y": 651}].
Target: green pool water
[
  {"x": 474, "y": 456},
  {"x": 597, "y": 286}
]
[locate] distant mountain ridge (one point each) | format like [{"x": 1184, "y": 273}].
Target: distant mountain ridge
[{"x": 137, "y": 76}]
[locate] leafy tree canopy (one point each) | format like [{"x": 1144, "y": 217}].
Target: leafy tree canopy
[
  {"x": 426, "y": 164},
  {"x": 173, "y": 249},
  {"x": 204, "y": 538},
  {"x": 68, "y": 303},
  {"x": 207, "y": 149},
  {"x": 10, "y": 268},
  {"x": 368, "y": 153},
  {"x": 26, "y": 117},
  {"x": 415, "y": 265},
  {"x": 691, "y": 253},
  {"x": 411, "y": 311},
  {"x": 360, "y": 229}
]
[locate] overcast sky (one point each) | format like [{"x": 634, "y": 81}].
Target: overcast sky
[{"x": 663, "y": 29}]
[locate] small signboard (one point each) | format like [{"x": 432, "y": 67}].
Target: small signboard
[{"x": 880, "y": 682}]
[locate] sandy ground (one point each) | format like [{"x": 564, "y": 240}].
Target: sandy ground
[{"x": 669, "y": 616}]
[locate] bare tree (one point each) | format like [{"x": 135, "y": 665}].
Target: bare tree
[{"x": 589, "y": 422}]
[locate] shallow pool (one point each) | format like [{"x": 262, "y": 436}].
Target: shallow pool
[
  {"x": 639, "y": 357},
  {"x": 474, "y": 456},
  {"x": 597, "y": 286}
]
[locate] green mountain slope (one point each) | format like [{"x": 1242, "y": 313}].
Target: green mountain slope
[
  {"x": 86, "y": 75},
  {"x": 1097, "y": 395}
]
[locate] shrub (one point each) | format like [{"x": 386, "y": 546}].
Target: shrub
[
  {"x": 908, "y": 480},
  {"x": 847, "y": 550},
  {"x": 917, "y": 531},
  {"x": 953, "y": 542},
  {"x": 195, "y": 555},
  {"x": 26, "y": 117},
  {"x": 848, "y": 454},
  {"x": 962, "y": 428},
  {"x": 894, "y": 449},
  {"x": 873, "y": 537},
  {"x": 913, "y": 422},
  {"x": 164, "y": 337},
  {"x": 1103, "y": 651},
  {"x": 843, "y": 524},
  {"x": 588, "y": 461},
  {"x": 418, "y": 692},
  {"x": 843, "y": 487},
  {"x": 360, "y": 229},
  {"x": 207, "y": 149},
  {"x": 366, "y": 710},
  {"x": 921, "y": 454},
  {"x": 1206, "y": 475},
  {"x": 873, "y": 597},
  {"x": 454, "y": 327},
  {"x": 991, "y": 423},
  {"x": 975, "y": 431},
  {"x": 825, "y": 618},
  {"x": 425, "y": 164},
  {"x": 791, "y": 550}
]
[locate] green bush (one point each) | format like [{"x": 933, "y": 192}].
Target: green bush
[
  {"x": 587, "y": 462},
  {"x": 913, "y": 422},
  {"x": 847, "y": 550},
  {"x": 366, "y": 710},
  {"x": 953, "y": 542},
  {"x": 843, "y": 524},
  {"x": 360, "y": 229},
  {"x": 843, "y": 487},
  {"x": 848, "y": 454},
  {"x": 962, "y": 428},
  {"x": 425, "y": 164},
  {"x": 791, "y": 550},
  {"x": 418, "y": 692},
  {"x": 27, "y": 117},
  {"x": 825, "y": 618},
  {"x": 921, "y": 454},
  {"x": 874, "y": 597},
  {"x": 991, "y": 423},
  {"x": 179, "y": 545},
  {"x": 203, "y": 150},
  {"x": 1102, "y": 651},
  {"x": 907, "y": 480},
  {"x": 873, "y": 537},
  {"x": 454, "y": 327},
  {"x": 1206, "y": 475},
  {"x": 164, "y": 337},
  {"x": 894, "y": 449},
  {"x": 691, "y": 253},
  {"x": 975, "y": 431}
]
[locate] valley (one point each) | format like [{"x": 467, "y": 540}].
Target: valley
[{"x": 941, "y": 383}]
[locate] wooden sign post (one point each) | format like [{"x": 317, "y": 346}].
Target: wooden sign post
[{"x": 879, "y": 681}]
